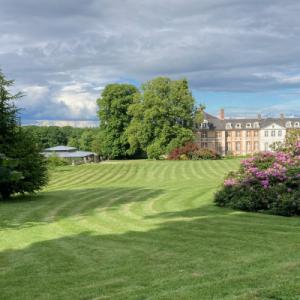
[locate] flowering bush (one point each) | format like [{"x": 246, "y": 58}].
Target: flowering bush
[
  {"x": 267, "y": 182},
  {"x": 192, "y": 151}
]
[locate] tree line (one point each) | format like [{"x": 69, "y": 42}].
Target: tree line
[{"x": 86, "y": 139}]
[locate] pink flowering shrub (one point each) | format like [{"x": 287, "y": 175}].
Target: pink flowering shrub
[{"x": 268, "y": 182}]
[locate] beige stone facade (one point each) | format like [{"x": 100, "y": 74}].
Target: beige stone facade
[{"x": 243, "y": 136}]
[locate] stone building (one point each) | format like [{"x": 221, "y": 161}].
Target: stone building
[{"x": 229, "y": 136}]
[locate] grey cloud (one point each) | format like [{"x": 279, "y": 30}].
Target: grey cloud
[{"x": 225, "y": 45}]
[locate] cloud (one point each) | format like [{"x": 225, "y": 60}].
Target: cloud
[
  {"x": 78, "y": 100},
  {"x": 219, "y": 45}
]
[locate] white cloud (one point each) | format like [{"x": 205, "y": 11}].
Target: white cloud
[{"x": 80, "y": 102}]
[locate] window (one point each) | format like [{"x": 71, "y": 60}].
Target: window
[
  {"x": 255, "y": 133},
  {"x": 229, "y": 146},
  {"x": 279, "y": 132},
  {"x": 256, "y": 125},
  {"x": 273, "y": 133},
  {"x": 238, "y": 125},
  {"x": 248, "y": 133},
  {"x": 288, "y": 124},
  {"x": 204, "y": 145},
  {"x": 266, "y": 133},
  {"x": 238, "y": 146},
  {"x": 218, "y": 134},
  {"x": 256, "y": 146},
  {"x": 248, "y": 146},
  {"x": 237, "y": 133},
  {"x": 297, "y": 124},
  {"x": 204, "y": 124},
  {"x": 228, "y": 126},
  {"x": 204, "y": 134},
  {"x": 248, "y": 125},
  {"x": 266, "y": 146}
]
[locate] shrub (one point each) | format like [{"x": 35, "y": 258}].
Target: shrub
[
  {"x": 268, "y": 182},
  {"x": 55, "y": 161},
  {"x": 192, "y": 151}
]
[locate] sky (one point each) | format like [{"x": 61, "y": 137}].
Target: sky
[{"x": 242, "y": 55}]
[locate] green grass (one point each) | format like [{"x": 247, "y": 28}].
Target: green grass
[{"x": 144, "y": 230}]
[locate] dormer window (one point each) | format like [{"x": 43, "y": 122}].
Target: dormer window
[
  {"x": 204, "y": 125},
  {"x": 297, "y": 124},
  {"x": 238, "y": 125},
  {"x": 228, "y": 126},
  {"x": 248, "y": 125},
  {"x": 288, "y": 124},
  {"x": 256, "y": 125}
]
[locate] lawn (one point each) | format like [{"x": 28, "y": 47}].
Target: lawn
[{"x": 144, "y": 230}]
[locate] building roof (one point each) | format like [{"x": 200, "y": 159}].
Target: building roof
[
  {"x": 73, "y": 154},
  {"x": 60, "y": 148},
  {"x": 215, "y": 123}
]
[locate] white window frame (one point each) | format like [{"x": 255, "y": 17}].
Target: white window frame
[
  {"x": 266, "y": 146},
  {"x": 228, "y": 126},
  {"x": 288, "y": 124}
]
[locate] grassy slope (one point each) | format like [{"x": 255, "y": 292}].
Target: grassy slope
[{"x": 144, "y": 230}]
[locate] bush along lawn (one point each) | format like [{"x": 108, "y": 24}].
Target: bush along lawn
[{"x": 268, "y": 182}]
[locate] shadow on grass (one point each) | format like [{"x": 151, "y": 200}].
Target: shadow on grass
[
  {"x": 52, "y": 206},
  {"x": 194, "y": 258}
]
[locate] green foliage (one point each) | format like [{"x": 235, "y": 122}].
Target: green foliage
[
  {"x": 73, "y": 142},
  {"x": 199, "y": 115},
  {"x": 22, "y": 167},
  {"x": 31, "y": 163},
  {"x": 191, "y": 151},
  {"x": 267, "y": 182},
  {"x": 114, "y": 119},
  {"x": 86, "y": 140},
  {"x": 8, "y": 175},
  {"x": 80, "y": 138},
  {"x": 290, "y": 144},
  {"x": 162, "y": 117},
  {"x": 55, "y": 161}
]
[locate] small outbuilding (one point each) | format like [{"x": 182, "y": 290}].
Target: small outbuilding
[{"x": 70, "y": 153}]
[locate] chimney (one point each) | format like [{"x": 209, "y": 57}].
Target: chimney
[
  {"x": 259, "y": 116},
  {"x": 222, "y": 114}
]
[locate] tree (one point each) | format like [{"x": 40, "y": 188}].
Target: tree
[
  {"x": 290, "y": 144},
  {"x": 162, "y": 117},
  {"x": 86, "y": 140},
  {"x": 22, "y": 167},
  {"x": 114, "y": 119},
  {"x": 73, "y": 142}
]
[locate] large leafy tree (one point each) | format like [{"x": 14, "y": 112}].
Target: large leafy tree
[
  {"x": 114, "y": 119},
  {"x": 162, "y": 117},
  {"x": 22, "y": 167}
]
